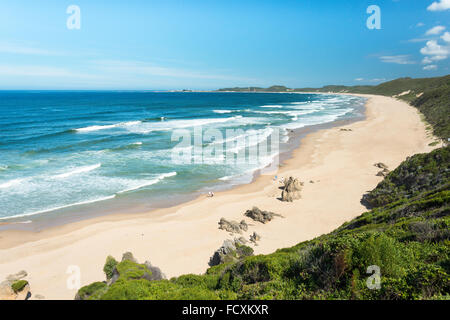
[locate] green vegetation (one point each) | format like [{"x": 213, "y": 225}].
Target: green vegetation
[
  {"x": 92, "y": 292},
  {"x": 435, "y": 105},
  {"x": 19, "y": 285},
  {"x": 406, "y": 234},
  {"x": 423, "y": 172},
  {"x": 110, "y": 264},
  {"x": 430, "y": 95}
]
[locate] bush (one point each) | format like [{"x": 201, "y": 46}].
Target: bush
[
  {"x": 92, "y": 291},
  {"x": 109, "y": 267},
  {"x": 19, "y": 285}
]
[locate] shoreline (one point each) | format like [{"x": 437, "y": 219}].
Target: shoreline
[
  {"x": 72, "y": 214},
  {"x": 181, "y": 239}
]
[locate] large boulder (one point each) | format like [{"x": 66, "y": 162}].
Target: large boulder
[
  {"x": 230, "y": 251},
  {"x": 383, "y": 173},
  {"x": 128, "y": 256},
  {"x": 232, "y": 226},
  {"x": 255, "y": 238},
  {"x": 243, "y": 225},
  {"x": 157, "y": 274},
  {"x": 380, "y": 165},
  {"x": 291, "y": 190},
  {"x": 18, "y": 276},
  {"x": 260, "y": 215}
]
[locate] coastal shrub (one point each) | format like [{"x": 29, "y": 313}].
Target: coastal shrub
[
  {"x": 192, "y": 280},
  {"x": 243, "y": 251},
  {"x": 18, "y": 285},
  {"x": 378, "y": 249},
  {"x": 93, "y": 291},
  {"x": 131, "y": 270},
  {"x": 156, "y": 290},
  {"x": 109, "y": 267},
  {"x": 423, "y": 172}
]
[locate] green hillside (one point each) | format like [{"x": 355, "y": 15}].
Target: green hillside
[
  {"x": 430, "y": 95},
  {"x": 406, "y": 234}
]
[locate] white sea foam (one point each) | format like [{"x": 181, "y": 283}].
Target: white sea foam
[
  {"x": 148, "y": 127},
  {"x": 272, "y": 106},
  {"x": 59, "y": 208},
  {"x": 319, "y": 119},
  {"x": 149, "y": 182},
  {"x": 250, "y": 139},
  {"x": 225, "y": 111},
  {"x": 226, "y": 178},
  {"x": 10, "y": 183},
  {"x": 109, "y": 126},
  {"x": 78, "y": 171}
]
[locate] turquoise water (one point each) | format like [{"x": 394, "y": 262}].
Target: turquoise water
[{"x": 61, "y": 150}]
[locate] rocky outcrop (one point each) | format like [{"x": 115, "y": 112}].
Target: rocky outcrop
[
  {"x": 128, "y": 269},
  {"x": 291, "y": 190},
  {"x": 260, "y": 215},
  {"x": 384, "y": 172},
  {"x": 243, "y": 225},
  {"x": 154, "y": 274},
  {"x": 233, "y": 226},
  {"x": 128, "y": 256},
  {"x": 18, "y": 276},
  {"x": 15, "y": 287},
  {"x": 157, "y": 274},
  {"x": 255, "y": 238},
  {"x": 230, "y": 251}
]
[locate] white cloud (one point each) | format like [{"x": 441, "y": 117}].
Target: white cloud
[
  {"x": 434, "y": 49},
  {"x": 146, "y": 69},
  {"x": 440, "y": 5},
  {"x": 370, "y": 80},
  {"x": 435, "y": 30},
  {"x": 14, "y": 48},
  {"x": 430, "y": 67},
  {"x": 427, "y": 60},
  {"x": 420, "y": 24},
  {"x": 399, "y": 59},
  {"x": 446, "y": 37},
  {"x": 39, "y": 71}
]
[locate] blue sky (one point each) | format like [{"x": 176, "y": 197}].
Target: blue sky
[{"x": 210, "y": 44}]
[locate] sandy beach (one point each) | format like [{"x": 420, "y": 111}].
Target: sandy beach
[{"x": 337, "y": 168}]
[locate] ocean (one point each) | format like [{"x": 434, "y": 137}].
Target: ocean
[{"x": 79, "y": 152}]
